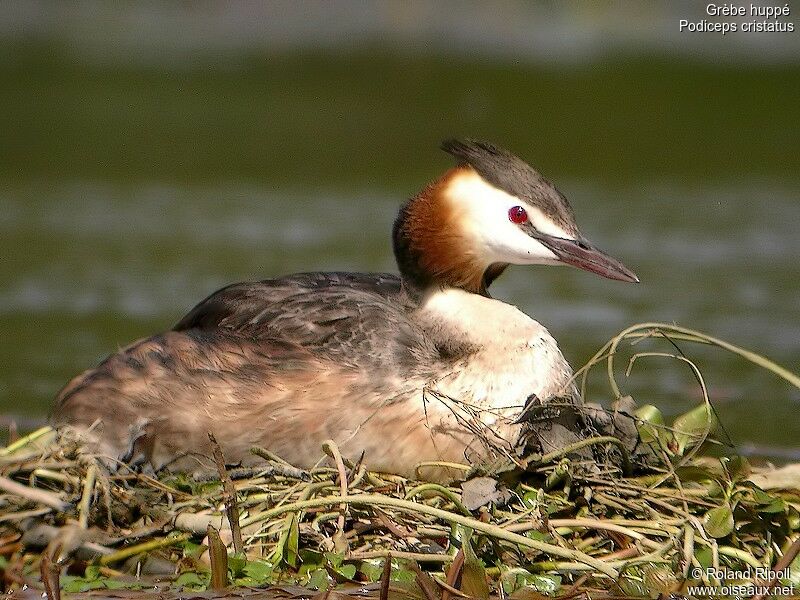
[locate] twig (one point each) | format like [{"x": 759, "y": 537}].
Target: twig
[
  {"x": 442, "y": 491},
  {"x": 13, "y": 431},
  {"x": 218, "y": 557},
  {"x": 19, "y": 516},
  {"x": 757, "y": 359},
  {"x": 448, "y": 589},
  {"x": 144, "y": 547},
  {"x": 417, "y": 556},
  {"x": 52, "y": 476},
  {"x": 386, "y": 578},
  {"x": 86, "y": 498},
  {"x": 603, "y": 439},
  {"x": 424, "y": 582},
  {"x": 24, "y": 441},
  {"x": 198, "y": 524},
  {"x": 453, "y": 573},
  {"x": 50, "y": 573},
  {"x": 596, "y": 524},
  {"x": 440, "y": 465},
  {"x": 373, "y": 479},
  {"x": 395, "y": 529},
  {"x": 415, "y": 507},
  {"x": 33, "y": 494},
  {"x": 784, "y": 562},
  {"x": 229, "y": 497},
  {"x": 331, "y": 449},
  {"x": 280, "y": 466},
  {"x": 572, "y": 590}
]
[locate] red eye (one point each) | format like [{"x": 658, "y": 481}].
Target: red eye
[{"x": 517, "y": 214}]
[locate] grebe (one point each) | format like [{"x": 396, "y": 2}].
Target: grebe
[{"x": 426, "y": 366}]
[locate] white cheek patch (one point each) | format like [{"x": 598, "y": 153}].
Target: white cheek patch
[
  {"x": 483, "y": 218},
  {"x": 536, "y": 254},
  {"x": 544, "y": 224}
]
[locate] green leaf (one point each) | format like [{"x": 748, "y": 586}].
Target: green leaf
[
  {"x": 776, "y": 506},
  {"x": 320, "y": 580},
  {"x": 94, "y": 580},
  {"x": 532, "y": 499},
  {"x": 696, "y": 473},
  {"x": 372, "y": 569},
  {"x": 311, "y": 558},
  {"x": 95, "y": 584},
  {"x": 760, "y": 496},
  {"x": 518, "y": 579},
  {"x": 402, "y": 575},
  {"x": 293, "y": 542},
  {"x": 457, "y": 534},
  {"x": 692, "y": 427},
  {"x": 539, "y": 536},
  {"x": 632, "y": 585},
  {"x": 473, "y": 574},
  {"x": 737, "y": 467},
  {"x": 347, "y": 571},
  {"x": 651, "y": 423},
  {"x": 704, "y": 556},
  {"x": 794, "y": 573},
  {"x": 180, "y": 482},
  {"x": 236, "y": 564},
  {"x": 553, "y": 507},
  {"x": 191, "y": 579},
  {"x": 75, "y": 585},
  {"x": 259, "y": 571},
  {"x": 793, "y": 518},
  {"x": 287, "y": 548},
  {"x": 192, "y": 549},
  {"x": 718, "y": 522},
  {"x": 116, "y": 584}
]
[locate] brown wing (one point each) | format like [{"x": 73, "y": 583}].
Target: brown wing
[
  {"x": 252, "y": 304},
  {"x": 276, "y": 363},
  {"x": 355, "y": 319},
  {"x": 156, "y": 400}
]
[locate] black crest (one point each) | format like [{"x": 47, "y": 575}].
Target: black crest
[{"x": 513, "y": 175}]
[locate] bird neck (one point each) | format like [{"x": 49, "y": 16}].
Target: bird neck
[{"x": 431, "y": 247}]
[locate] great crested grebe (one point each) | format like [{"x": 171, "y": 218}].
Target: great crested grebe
[{"x": 421, "y": 367}]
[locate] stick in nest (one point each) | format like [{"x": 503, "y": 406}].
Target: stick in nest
[{"x": 231, "y": 506}]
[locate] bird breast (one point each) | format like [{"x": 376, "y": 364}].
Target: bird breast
[{"x": 510, "y": 355}]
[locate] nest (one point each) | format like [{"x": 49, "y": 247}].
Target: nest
[{"x": 542, "y": 525}]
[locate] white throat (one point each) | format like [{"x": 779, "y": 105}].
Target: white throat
[
  {"x": 475, "y": 320},
  {"x": 510, "y": 356}
]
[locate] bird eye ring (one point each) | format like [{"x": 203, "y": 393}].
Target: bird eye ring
[{"x": 517, "y": 214}]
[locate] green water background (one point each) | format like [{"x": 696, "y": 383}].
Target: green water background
[{"x": 130, "y": 190}]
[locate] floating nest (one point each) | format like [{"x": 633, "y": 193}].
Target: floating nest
[{"x": 697, "y": 520}]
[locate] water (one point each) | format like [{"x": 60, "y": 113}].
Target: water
[
  {"x": 130, "y": 192},
  {"x": 93, "y": 267}
]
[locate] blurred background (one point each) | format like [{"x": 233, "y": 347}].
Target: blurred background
[{"x": 152, "y": 152}]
